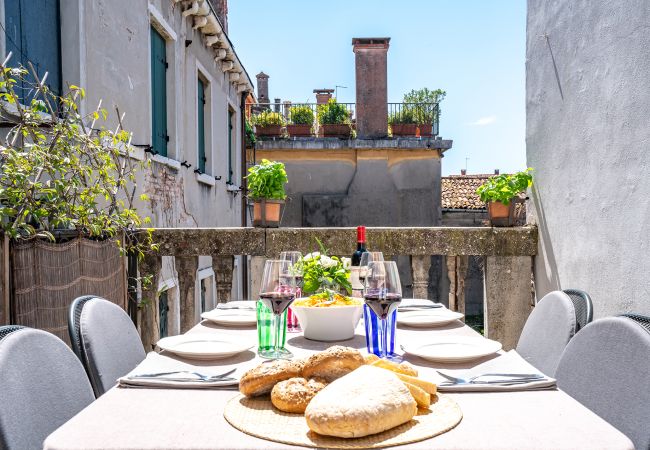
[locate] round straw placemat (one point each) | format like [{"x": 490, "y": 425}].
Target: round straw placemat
[{"x": 258, "y": 417}]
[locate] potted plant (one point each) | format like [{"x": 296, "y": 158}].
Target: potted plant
[
  {"x": 301, "y": 119},
  {"x": 403, "y": 123},
  {"x": 266, "y": 182},
  {"x": 334, "y": 119},
  {"x": 425, "y": 106},
  {"x": 268, "y": 123},
  {"x": 500, "y": 193}
]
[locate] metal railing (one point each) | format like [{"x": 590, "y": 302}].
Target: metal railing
[{"x": 423, "y": 116}]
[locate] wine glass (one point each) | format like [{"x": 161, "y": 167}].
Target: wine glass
[
  {"x": 276, "y": 293},
  {"x": 295, "y": 279},
  {"x": 383, "y": 294},
  {"x": 366, "y": 258}
]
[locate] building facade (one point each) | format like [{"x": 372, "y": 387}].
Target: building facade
[{"x": 171, "y": 69}]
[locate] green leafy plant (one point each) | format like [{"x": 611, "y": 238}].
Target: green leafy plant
[
  {"x": 266, "y": 180},
  {"x": 323, "y": 273},
  {"x": 503, "y": 188},
  {"x": 333, "y": 113},
  {"x": 268, "y": 118},
  {"x": 301, "y": 115},
  {"x": 249, "y": 133},
  {"x": 405, "y": 116},
  {"x": 424, "y": 104}
]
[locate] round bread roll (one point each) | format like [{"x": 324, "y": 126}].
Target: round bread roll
[
  {"x": 261, "y": 379},
  {"x": 333, "y": 363},
  {"x": 293, "y": 395}
]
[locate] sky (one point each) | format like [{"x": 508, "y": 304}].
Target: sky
[{"x": 472, "y": 49}]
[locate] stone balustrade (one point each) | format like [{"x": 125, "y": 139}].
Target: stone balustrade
[{"x": 507, "y": 265}]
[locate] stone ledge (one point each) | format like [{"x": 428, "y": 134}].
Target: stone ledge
[{"x": 315, "y": 143}]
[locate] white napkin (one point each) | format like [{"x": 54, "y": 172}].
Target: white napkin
[
  {"x": 510, "y": 362},
  {"x": 407, "y": 303},
  {"x": 155, "y": 363},
  {"x": 238, "y": 304}
]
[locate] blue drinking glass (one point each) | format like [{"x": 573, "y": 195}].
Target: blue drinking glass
[{"x": 374, "y": 337}]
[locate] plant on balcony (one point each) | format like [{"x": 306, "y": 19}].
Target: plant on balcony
[
  {"x": 268, "y": 123},
  {"x": 425, "y": 105},
  {"x": 501, "y": 193},
  {"x": 249, "y": 134},
  {"x": 301, "y": 119},
  {"x": 403, "y": 123},
  {"x": 334, "y": 119},
  {"x": 325, "y": 274},
  {"x": 266, "y": 182}
]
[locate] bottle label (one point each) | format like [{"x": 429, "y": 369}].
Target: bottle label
[{"x": 357, "y": 286}]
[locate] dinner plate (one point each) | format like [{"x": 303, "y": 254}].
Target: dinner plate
[
  {"x": 427, "y": 318},
  {"x": 454, "y": 348},
  {"x": 231, "y": 317},
  {"x": 204, "y": 346}
]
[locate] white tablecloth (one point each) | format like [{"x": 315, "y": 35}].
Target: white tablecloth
[{"x": 193, "y": 419}]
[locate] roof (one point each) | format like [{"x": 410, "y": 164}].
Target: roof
[{"x": 459, "y": 191}]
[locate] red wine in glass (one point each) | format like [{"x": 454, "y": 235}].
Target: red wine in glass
[
  {"x": 382, "y": 304},
  {"x": 277, "y": 302}
]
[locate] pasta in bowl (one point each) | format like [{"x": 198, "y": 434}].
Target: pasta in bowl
[{"x": 328, "y": 318}]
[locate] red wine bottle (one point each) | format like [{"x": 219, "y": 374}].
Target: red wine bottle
[{"x": 361, "y": 246}]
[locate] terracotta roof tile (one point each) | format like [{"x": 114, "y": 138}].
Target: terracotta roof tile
[{"x": 459, "y": 191}]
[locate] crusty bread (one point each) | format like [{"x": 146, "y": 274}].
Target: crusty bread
[
  {"x": 421, "y": 397},
  {"x": 333, "y": 363},
  {"x": 367, "y": 401},
  {"x": 293, "y": 395},
  {"x": 261, "y": 379},
  {"x": 404, "y": 368}
]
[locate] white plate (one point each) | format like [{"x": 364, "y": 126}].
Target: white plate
[
  {"x": 231, "y": 317},
  {"x": 428, "y": 318},
  {"x": 454, "y": 349},
  {"x": 203, "y": 346}
]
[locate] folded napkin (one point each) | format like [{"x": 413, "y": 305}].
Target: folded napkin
[
  {"x": 238, "y": 304},
  {"x": 510, "y": 362},
  {"x": 415, "y": 302},
  {"x": 156, "y": 363}
]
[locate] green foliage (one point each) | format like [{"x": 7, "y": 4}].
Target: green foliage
[
  {"x": 249, "y": 133},
  {"x": 504, "y": 187},
  {"x": 427, "y": 109},
  {"x": 333, "y": 113},
  {"x": 324, "y": 273},
  {"x": 266, "y": 180},
  {"x": 405, "y": 116},
  {"x": 267, "y": 118},
  {"x": 301, "y": 115}
]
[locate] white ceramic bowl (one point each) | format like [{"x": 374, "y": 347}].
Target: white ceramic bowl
[{"x": 332, "y": 323}]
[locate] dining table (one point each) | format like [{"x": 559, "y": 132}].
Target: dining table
[{"x": 167, "y": 418}]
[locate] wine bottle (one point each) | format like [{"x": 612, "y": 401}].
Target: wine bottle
[{"x": 361, "y": 246}]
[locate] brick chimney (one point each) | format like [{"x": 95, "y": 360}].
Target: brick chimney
[
  {"x": 262, "y": 88},
  {"x": 370, "y": 56},
  {"x": 221, "y": 9},
  {"x": 463, "y": 171},
  {"x": 323, "y": 95},
  {"x": 496, "y": 171}
]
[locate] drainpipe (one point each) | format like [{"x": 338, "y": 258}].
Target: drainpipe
[{"x": 244, "y": 191}]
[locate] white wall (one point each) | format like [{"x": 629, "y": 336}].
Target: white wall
[{"x": 588, "y": 139}]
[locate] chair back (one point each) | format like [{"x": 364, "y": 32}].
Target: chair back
[
  {"x": 105, "y": 340},
  {"x": 42, "y": 386},
  {"x": 550, "y": 326},
  {"x": 605, "y": 367},
  {"x": 583, "y": 306}
]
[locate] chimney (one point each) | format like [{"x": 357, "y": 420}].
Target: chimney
[
  {"x": 370, "y": 55},
  {"x": 323, "y": 95},
  {"x": 496, "y": 171},
  {"x": 463, "y": 171},
  {"x": 276, "y": 105},
  {"x": 221, "y": 9},
  {"x": 263, "y": 88}
]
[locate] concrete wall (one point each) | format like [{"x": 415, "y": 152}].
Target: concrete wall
[{"x": 587, "y": 138}]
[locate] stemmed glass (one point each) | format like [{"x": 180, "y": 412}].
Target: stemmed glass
[
  {"x": 383, "y": 294},
  {"x": 367, "y": 258},
  {"x": 276, "y": 293},
  {"x": 294, "y": 276}
]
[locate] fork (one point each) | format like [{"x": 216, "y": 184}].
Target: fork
[
  {"x": 200, "y": 376},
  {"x": 510, "y": 378}
]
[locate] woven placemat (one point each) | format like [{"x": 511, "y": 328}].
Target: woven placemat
[{"x": 258, "y": 417}]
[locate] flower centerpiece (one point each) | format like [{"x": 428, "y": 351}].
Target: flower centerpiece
[{"x": 325, "y": 274}]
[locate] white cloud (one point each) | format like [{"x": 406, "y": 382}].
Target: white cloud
[{"x": 483, "y": 121}]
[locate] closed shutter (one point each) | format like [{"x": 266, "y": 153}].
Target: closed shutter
[
  {"x": 200, "y": 120},
  {"x": 159, "y": 93},
  {"x": 231, "y": 172},
  {"x": 33, "y": 34}
]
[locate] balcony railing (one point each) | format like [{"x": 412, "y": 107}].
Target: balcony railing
[{"x": 506, "y": 255}]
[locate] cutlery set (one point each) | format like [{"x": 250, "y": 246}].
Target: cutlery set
[
  {"x": 502, "y": 379},
  {"x": 193, "y": 376}
]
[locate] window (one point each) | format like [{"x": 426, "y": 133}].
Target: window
[
  {"x": 163, "y": 311},
  {"x": 33, "y": 35},
  {"x": 231, "y": 141},
  {"x": 160, "y": 137},
  {"x": 200, "y": 120},
  {"x": 206, "y": 288}
]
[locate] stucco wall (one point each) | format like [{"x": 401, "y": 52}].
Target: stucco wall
[{"x": 587, "y": 139}]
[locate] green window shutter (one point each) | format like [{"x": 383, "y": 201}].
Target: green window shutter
[
  {"x": 200, "y": 119},
  {"x": 158, "y": 93}
]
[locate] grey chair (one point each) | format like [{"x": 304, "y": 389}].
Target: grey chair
[
  {"x": 606, "y": 367},
  {"x": 583, "y": 306},
  {"x": 553, "y": 322},
  {"x": 42, "y": 385},
  {"x": 105, "y": 340}
]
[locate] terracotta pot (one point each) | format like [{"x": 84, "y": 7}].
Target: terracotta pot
[
  {"x": 501, "y": 215},
  {"x": 266, "y": 213},
  {"x": 426, "y": 129},
  {"x": 269, "y": 130},
  {"x": 340, "y": 130},
  {"x": 299, "y": 130},
  {"x": 404, "y": 129}
]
